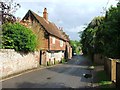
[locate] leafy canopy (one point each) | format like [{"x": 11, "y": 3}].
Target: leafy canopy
[
  {"x": 76, "y": 46},
  {"x": 102, "y": 35},
  {"x": 89, "y": 38},
  {"x": 112, "y": 32}
]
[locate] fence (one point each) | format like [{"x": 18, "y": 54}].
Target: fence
[
  {"x": 107, "y": 67},
  {"x": 99, "y": 59},
  {"x": 112, "y": 68},
  {"x": 118, "y": 74}
]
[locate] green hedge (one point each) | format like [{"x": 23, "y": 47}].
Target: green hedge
[{"x": 18, "y": 37}]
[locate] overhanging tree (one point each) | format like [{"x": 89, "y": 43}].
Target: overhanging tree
[
  {"x": 90, "y": 36},
  {"x": 103, "y": 34},
  {"x": 112, "y": 32}
]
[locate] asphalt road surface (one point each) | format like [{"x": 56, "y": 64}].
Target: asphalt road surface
[{"x": 68, "y": 75}]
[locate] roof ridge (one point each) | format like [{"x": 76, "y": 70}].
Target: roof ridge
[{"x": 50, "y": 27}]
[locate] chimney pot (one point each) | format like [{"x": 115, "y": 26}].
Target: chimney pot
[{"x": 45, "y": 14}]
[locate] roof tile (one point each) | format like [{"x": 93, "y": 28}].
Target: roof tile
[{"x": 51, "y": 28}]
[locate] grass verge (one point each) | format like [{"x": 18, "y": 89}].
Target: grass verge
[{"x": 103, "y": 80}]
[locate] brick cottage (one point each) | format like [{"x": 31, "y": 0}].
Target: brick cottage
[{"x": 53, "y": 43}]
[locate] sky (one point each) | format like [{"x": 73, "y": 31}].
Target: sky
[{"x": 72, "y": 15}]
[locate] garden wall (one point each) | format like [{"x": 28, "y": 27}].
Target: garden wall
[{"x": 14, "y": 62}]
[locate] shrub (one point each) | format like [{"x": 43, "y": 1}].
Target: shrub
[
  {"x": 48, "y": 63},
  {"x": 63, "y": 60},
  {"x": 56, "y": 62},
  {"x": 18, "y": 37}
]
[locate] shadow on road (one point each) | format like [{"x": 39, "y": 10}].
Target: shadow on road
[
  {"x": 75, "y": 67},
  {"x": 43, "y": 85},
  {"x": 80, "y": 60},
  {"x": 53, "y": 86},
  {"x": 69, "y": 75}
]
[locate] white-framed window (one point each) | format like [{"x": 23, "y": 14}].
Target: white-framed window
[
  {"x": 53, "y": 40},
  {"x": 52, "y": 55},
  {"x": 61, "y": 43}
]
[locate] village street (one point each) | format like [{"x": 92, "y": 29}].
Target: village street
[{"x": 68, "y": 75}]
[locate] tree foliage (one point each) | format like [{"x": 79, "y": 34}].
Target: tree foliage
[
  {"x": 76, "y": 46},
  {"x": 112, "y": 32},
  {"x": 9, "y": 7},
  {"x": 89, "y": 38},
  {"x": 18, "y": 37},
  {"x": 102, "y": 35}
]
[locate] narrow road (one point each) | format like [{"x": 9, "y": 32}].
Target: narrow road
[{"x": 69, "y": 75}]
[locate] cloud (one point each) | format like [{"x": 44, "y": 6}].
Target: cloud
[
  {"x": 72, "y": 15},
  {"x": 34, "y": 1},
  {"x": 73, "y": 32},
  {"x": 76, "y": 29},
  {"x": 73, "y": 36}
]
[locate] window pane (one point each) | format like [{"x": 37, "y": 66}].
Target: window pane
[{"x": 53, "y": 40}]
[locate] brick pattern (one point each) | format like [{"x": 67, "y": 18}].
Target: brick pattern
[
  {"x": 56, "y": 46},
  {"x": 69, "y": 50},
  {"x": 41, "y": 34},
  {"x": 45, "y": 32},
  {"x": 39, "y": 31},
  {"x": 13, "y": 62}
]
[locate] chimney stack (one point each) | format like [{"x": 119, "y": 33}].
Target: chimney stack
[{"x": 45, "y": 14}]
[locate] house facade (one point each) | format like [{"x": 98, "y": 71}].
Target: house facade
[{"x": 52, "y": 42}]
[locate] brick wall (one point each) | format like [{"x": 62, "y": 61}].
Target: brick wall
[
  {"x": 13, "y": 62},
  {"x": 41, "y": 34},
  {"x": 69, "y": 50},
  {"x": 56, "y": 45},
  {"x": 118, "y": 74}
]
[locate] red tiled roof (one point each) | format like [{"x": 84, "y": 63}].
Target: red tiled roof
[{"x": 51, "y": 28}]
